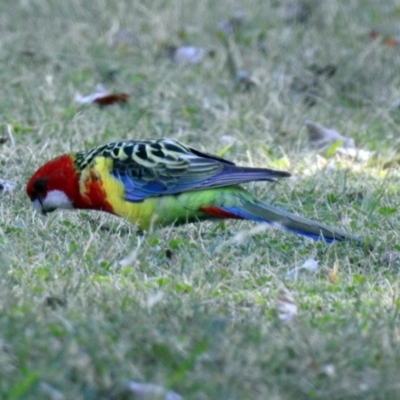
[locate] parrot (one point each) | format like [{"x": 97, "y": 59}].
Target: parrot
[{"x": 160, "y": 182}]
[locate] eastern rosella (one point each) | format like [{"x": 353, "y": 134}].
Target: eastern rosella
[{"x": 162, "y": 182}]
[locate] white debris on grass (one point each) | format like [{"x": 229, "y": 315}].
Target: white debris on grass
[
  {"x": 309, "y": 265},
  {"x": 149, "y": 391},
  {"x": 98, "y": 93},
  {"x": 320, "y": 138},
  {"x": 285, "y": 305},
  {"x": 187, "y": 54},
  {"x": 6, "y": 187}
]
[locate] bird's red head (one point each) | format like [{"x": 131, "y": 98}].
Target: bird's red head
[{"x": 54, "y": 185}]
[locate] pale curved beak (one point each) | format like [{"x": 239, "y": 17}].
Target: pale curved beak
[{"x": 37, "y": 205}]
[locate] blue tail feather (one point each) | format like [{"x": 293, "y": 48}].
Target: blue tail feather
[{"x": 264, "y": 213}]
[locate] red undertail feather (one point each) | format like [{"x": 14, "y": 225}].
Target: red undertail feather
[{"x": 218, "y": 213}]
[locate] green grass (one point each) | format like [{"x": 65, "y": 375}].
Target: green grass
[{"x": 85, "y": 307}]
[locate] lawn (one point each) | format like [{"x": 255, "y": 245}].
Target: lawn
[{"x": 86, "y": 306}]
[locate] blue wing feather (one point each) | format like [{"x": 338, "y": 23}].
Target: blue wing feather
[
  {"x": 137, "y": 190},
  {"x": 166, "y": 167}
]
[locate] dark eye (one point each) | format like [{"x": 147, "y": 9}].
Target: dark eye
[{"x": 39, "y": 186}]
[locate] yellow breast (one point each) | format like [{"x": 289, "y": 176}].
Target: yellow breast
[{"x": 140, "y": 214}]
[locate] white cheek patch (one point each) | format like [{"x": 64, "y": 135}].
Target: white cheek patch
[{"x": 56, "y": 199}]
